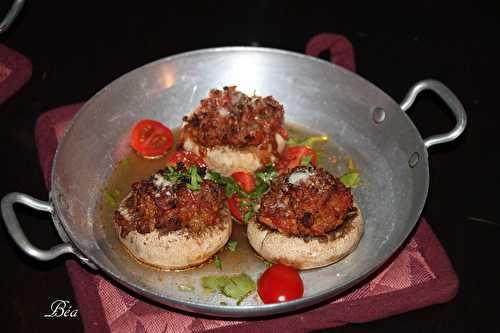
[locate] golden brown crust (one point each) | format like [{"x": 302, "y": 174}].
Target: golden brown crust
[
  {"x": 231, "y": 118},
  {"x": 307, "y": 201},
  {"x": 173, "y": 248},
  {"x": 234, "y": 132},
  {"x": 158, "y": 204}
]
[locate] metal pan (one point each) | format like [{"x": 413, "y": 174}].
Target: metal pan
[{"x": 368, "y": 124}]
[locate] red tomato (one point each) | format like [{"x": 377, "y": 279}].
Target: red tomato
[
  {"x": 284, "y": 134},
  {"x": 234, "y": 207},
  {"x": 245, "y": 180},
  {"x": 280, "y": 283},
  {"x": 290, "y": 158},
  {"x": 186, "y": 157},
  {"x": 151, "y": 139}
]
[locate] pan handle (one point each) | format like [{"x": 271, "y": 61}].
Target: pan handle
[
  {"x": 14, "y": 229},
  {"x": 449, "y": 98},
  {"x": 11, "y": 15}
]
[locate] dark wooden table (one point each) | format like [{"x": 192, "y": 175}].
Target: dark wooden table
[{"x": 77, "y": 47}]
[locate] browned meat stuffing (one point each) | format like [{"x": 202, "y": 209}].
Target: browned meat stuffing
[
  {"x": 306, "y": 202},
  {"x": 158, "y": 204},
  {"x": 231, "y": 118}
]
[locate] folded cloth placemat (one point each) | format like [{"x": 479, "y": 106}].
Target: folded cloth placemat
[
  {"x": 15, "y": 71},
  {"x": 418, "y": 275}
]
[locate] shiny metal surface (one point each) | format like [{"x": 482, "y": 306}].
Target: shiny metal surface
[
  {"x": 15, "y": 231},
  {"x": 449, "y": 98},
  {"x": 11, "y": 15},
  {"x": 315, "y": 94}
]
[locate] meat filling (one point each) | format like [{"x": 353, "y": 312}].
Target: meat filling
[
  {"x": 231, "y": 118},
  {"x": 307, "y": 201},
  {"x": 167, "y": 206}
]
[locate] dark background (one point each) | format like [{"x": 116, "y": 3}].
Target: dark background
[{"x": 77, "y": 47}]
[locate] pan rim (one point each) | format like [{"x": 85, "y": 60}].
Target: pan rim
[{"x": 243, "y": 311}]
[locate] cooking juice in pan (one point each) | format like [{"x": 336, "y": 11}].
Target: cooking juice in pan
[{"x": 133, "y": 168}]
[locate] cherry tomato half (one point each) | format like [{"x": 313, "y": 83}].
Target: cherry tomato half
[
  {"x": 245, "y": 180},
  {"x": 234, "y": 207},
  {"x": 186, "y": 157},
  {"x": 280, "y": 283},
  {"x": 291, "y": 157},
  {"x": 151, "y": 139}
]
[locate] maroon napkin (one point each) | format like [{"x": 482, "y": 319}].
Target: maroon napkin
[
  {"x": 340, "y": 48},
  {"x": 15, "y": 70},
  {"x": 418, "y": 275}
]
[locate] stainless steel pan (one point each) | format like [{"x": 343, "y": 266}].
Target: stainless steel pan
[{"x": 368, "y": 124}]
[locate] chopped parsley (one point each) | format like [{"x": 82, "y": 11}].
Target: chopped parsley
[
  {"x": 111, "y": 198},
  {"x": 232, "y": 245},
  {"x": 320, "y": 158},
  {"x": 263, "y": 180},
  {"x": 214, "y": 282},
  {"x": 305, "y": 160},
  {"x": 308, "y": 142},
  {"x": 266, "y": 176},
  {"x": 231, "y": 187},
  {"x": 218, "y": 263},
  {"x": 237, "y": 286},
  {"x": 195, "y": 179},
  {"x": 350, "y": 179},
  {"x": 190, "y": 176},
  {"x": 125, "y": 162},
  {"x": 172, "y": 175},
  {"x": 248, "y": 215},
  {"x": 268, "y": 263}
]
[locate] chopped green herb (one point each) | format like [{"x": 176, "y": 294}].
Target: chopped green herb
[
  {"x": 232, "y": 245},
  {"x": 215, "y": 177},
  {"x": 237, "y": 286},
  {"x": 125, "y": 162},
  {"x": 247, "y": 203},
  {"x": 320, "y": 158},
  {"x": 218, "y": 263},
  {"x": 268, "y": 175},
  {"x": 308, "y": 142},
  {"x": 263, "y": 178},
  {"x": 268, "y": 263},
  {"x": 260, "y": 189},
  {"x": 172, "y": 175},
  {"x": 195, "y": 178},
  {"x": 230, "y": 186},
  {"x": 185, "y": 287},
  {"x": 110, "y": 199},
  {"x": 293, "y": 141},
  {"x": 350, "y": 179},
  {"x": 248, "y": 215},
  {"x": 214, "y": 282},
  {"x": 305, "y": 160}
]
